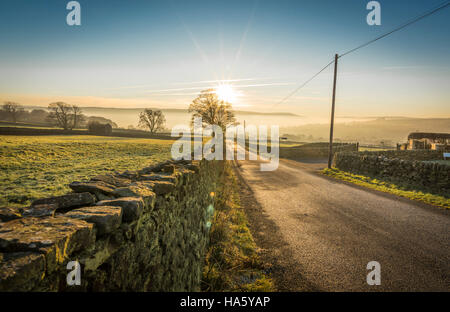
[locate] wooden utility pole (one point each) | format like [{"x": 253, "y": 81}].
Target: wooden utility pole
[{"x": 330, "y": 151}]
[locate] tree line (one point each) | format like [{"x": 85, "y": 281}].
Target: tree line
[
  {"x": 206, "y": 105},
  {"x": 58, "y": 114}
]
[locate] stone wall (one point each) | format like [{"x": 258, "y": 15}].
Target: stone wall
[
  {"x": 407, "y": 167},
  {"x": 55, "y": 131},
  {"x": 135, "y": 231},
  {"x": 314, "y": 150},
  {"x": 412, "y": 155}
]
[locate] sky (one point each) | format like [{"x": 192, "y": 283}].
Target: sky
[{"x": 162, "y": 53}]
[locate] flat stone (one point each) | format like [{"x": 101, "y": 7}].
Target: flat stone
[
  {"x": 163, "y": 188},
  {"x": 40, "y": 210},
  {"x": 138, "y": 190},
  {"x": 112, "y": 180},
  {"x": 92, "y": 187},
  {"x": 67, "y": 201},
  {"x": 55, "y": 237},
  {"x": 158, "y": 177},
  {"x": 101, "y": 197},
  {"x": 146, "y": 184},
  {"x": 155, "y": 168},
  {"x": 182, "y": 162},
  {"x": 169, "y": 168},
  {"x": 128, "y": 174},
  {"x": 20, "y": 271},
  {"x": 132, "y": 207},
  {"x": 8, "y": 214},
  {"x": 105, "y": 218},
  {"x": 147, "y": 170}
]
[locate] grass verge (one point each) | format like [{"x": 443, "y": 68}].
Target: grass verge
[
  {"x": 232, "y": 263},
  {"x": 388, "y": 187}
]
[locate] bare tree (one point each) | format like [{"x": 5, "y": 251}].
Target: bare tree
[
  {"x": 65, "y": 115},
  {"x": 154, "y": 120},
  {"x": 61, "y": 114},
  {"x": 13, "y": 110},
  {"x": 212, "y": 110},
  {"x": 77, "y": 116}
]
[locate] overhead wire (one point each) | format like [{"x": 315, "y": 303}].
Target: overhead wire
[{"x": 412, "y": 21}]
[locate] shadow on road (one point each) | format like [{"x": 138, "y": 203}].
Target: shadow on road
[{"x": 274, "y": 251}]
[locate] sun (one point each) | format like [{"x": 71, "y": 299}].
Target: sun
[{"x": 226, "y": 93}]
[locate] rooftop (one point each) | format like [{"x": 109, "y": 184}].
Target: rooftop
[{"x": 428, "y": 135}]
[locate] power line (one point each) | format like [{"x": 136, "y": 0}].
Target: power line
[
  {"x": 416, "y": 19},
  {"x": 397, "y": 29},
  {"x": 304, "y": 84}
]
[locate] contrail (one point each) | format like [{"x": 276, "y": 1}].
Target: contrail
[
  {"x": 222, "y": 80},
  {"x": 191, "y": 83},
  {"x": 211, "y": 86}
]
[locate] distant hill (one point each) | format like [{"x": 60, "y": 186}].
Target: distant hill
[
  {"x": 168, "y": 110},
  {"x": 390, "y": 130},
  {"x": 129, "y": 117}
]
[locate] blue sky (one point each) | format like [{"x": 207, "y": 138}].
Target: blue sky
[{"x": 161, "y": 53}]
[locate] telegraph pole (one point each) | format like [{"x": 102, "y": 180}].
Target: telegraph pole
[{"x": 330, "y": 151}]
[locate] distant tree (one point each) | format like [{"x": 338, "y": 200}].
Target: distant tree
[
  {"x": 77, "y": 116},
  {"x": 60, "y": 113},
  {"x": 38, "y": 115},
  {"x": 65, "y": 115},
  {"x": 13, "y": 110},
  {"x": 212, "y": 110},
  {"x": 153, "y": 120}
]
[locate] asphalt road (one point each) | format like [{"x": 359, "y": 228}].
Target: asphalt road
[{"x": 318, "y": 234}]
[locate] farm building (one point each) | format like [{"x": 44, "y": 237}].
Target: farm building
[{"x": 425, "y": 140}]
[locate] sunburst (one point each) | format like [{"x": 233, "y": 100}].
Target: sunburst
[{"x": 226, "y": 93}]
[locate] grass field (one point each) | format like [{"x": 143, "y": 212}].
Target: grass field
[{"x": 37, "y": 166}]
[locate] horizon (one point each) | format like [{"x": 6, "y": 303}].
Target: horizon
[
  {"x": 159, "y": 55},
  {"x": 128, "y": 116},
  {"x": 241, "y": 111}
]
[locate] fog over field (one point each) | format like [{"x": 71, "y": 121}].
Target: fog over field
[
  {"x": 390, "y": 130},
  {"x": 125, "y": 117},
  {"x": 365, "y": 129}
]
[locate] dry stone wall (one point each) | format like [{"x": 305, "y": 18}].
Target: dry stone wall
[
  {"x": 411, "y": 167},
  {"x": 135, "y": 231},
  {"x": 314, "y": 150},
  {"x": 412, "y": 155}
]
